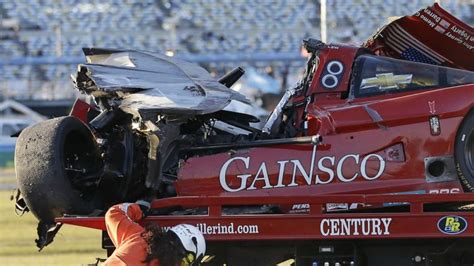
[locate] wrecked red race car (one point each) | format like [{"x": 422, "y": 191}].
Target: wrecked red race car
[{"x": 395, "y": 116}]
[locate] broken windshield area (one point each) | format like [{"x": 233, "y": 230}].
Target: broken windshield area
[{"x": 375, "y": 75}]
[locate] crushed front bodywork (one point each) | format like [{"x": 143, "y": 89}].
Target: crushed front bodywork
[{"x": 149, "y": 83}]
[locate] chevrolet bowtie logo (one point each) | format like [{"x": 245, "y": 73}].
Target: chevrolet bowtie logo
[{"x": 386, "y": 81}]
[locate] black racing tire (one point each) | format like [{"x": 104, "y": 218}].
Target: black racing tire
[
  {"x": 464, "y": 152},
  {"x": 41, "y": 154}
]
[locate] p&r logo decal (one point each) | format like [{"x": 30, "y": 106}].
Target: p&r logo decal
[{"x": 452, "y": 224}]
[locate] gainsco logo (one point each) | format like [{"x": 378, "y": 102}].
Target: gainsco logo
[
  {"x": 452, "y": 224},
  {"x": 327, "y": 165}
]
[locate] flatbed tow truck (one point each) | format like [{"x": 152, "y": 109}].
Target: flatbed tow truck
[{"x": 430, "y": 229}]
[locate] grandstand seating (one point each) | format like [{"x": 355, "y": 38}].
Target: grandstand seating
[{"x": 58, "y": 28}]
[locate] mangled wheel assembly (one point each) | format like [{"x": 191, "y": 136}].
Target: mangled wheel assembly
[
  {"x": 464, "y": 152},
  {"x": 55, "y": 161}
]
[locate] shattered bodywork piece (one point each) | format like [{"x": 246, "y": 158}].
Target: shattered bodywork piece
[{"x": 147, "y": 82}]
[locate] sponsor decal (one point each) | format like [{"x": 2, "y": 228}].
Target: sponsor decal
[
  {"x": 224, "y": 229},
  {"x": 300, "y": 208},
  {"x": 249, "y": 181},
  {"x": 445, "y": 191},
  {"x": 435, "y": 126},
  {"x": 452, "y": 224},
  {"x": 330, "y": 207},
  {"x": 337, "y": 207},
  {"x": 355, "y": 227},
  {"x": 414, "y": 192}
]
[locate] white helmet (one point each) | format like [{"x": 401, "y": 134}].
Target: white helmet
[{"x": 191, "y": 238}]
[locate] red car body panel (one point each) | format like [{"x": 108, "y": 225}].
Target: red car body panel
[{"x": 355, "y": 155}]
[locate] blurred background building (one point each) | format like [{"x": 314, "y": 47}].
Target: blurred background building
[{"x": 41, "y": 40}]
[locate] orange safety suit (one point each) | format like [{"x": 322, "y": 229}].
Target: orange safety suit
[{"x": 125, "y": 232}]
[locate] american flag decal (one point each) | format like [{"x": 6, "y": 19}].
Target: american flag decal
[
  {"x": 440, "y": 29},
  {"x": 409, "y": 47},
  {"x": 414, "y": 55},
  {"x": 444, "y": 23}
]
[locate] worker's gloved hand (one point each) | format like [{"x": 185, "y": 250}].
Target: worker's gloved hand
[{"x": 144, "y": 206}]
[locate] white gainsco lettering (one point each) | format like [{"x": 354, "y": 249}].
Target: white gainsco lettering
[{"x": 324, "y": 165}]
